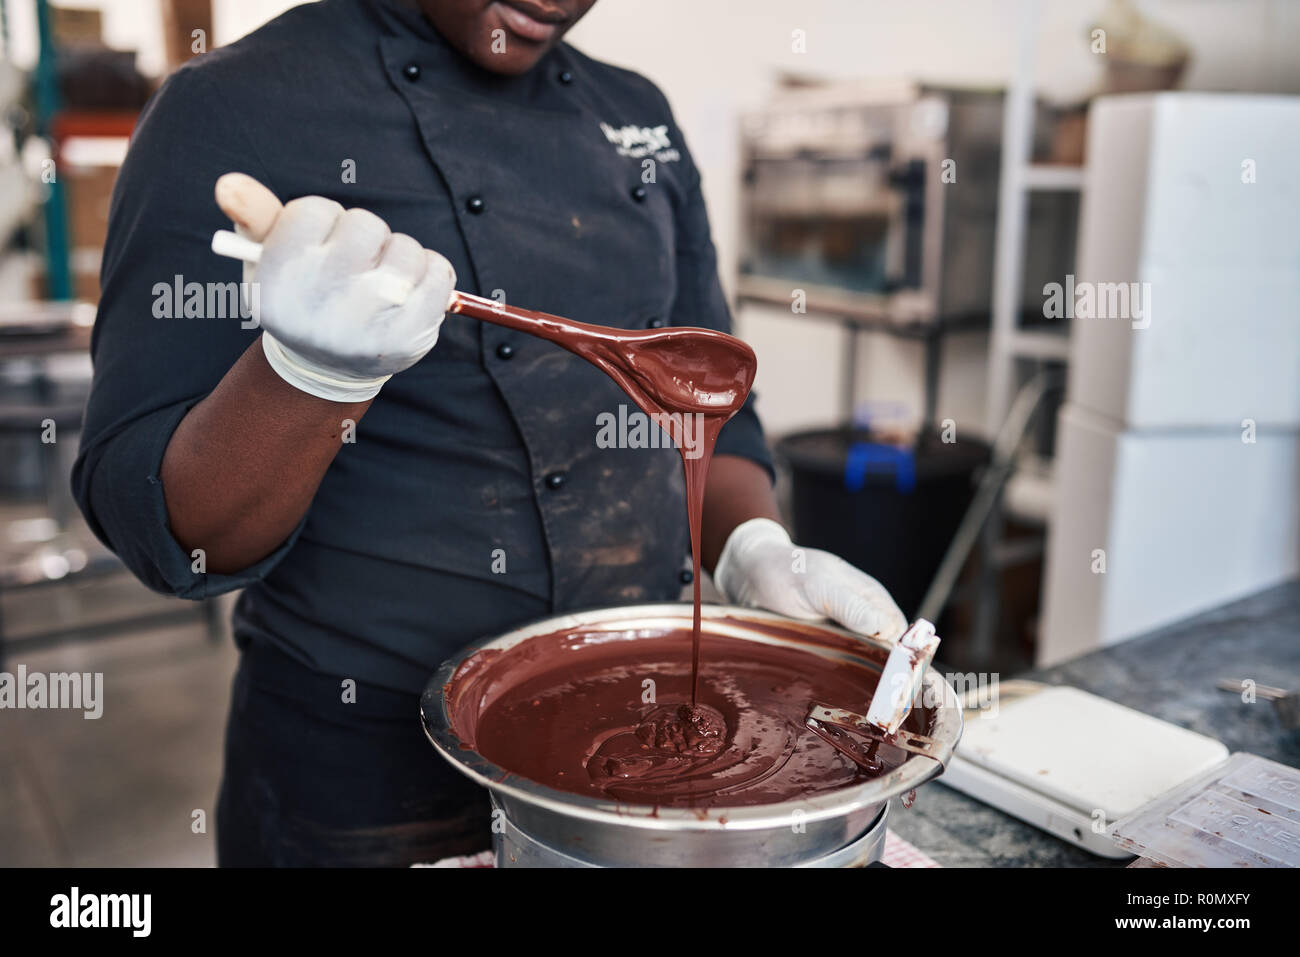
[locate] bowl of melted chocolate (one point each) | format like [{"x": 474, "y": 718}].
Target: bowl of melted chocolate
[{"x": 616, "y": 738}]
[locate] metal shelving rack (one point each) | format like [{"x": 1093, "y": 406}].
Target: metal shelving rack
[
  {"x": 1011, "y": 408},
  {"x": 58, "y": 264},
  {"x": 1019, "y": 177},
  {"x": 56, "y": 125}
]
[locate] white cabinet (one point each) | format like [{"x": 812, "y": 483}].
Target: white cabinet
[
  {"x": 1152, "y": 466},
  {"x": 1216, "y": 259}
]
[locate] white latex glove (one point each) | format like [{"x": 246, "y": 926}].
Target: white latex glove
[
  {"x": 761, "y": 568},
  {"x": 325, "y": 281}
]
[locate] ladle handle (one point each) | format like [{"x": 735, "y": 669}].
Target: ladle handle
[
  {"x": 254, "y": 209},
  {"x": 395, "y": 290},
  {"x": 555, "y": 328},
  {"x": 392, "y": 289}
]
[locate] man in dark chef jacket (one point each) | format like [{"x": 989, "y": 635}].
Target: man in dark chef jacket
[{"x": 384, "y": 484}]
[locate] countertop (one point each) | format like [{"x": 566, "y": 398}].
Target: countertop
[{"x": 1171, "y": 674}]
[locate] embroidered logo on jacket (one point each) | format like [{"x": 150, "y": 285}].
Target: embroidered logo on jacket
[{"x": 641, "y": 141}]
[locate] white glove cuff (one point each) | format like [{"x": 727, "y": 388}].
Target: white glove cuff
[
  {"x": 315, "y": 379},
  {"x": 728, "y": 573}
]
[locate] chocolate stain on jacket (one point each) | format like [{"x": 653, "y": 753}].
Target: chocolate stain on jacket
[{"x": 486, "y": 451}]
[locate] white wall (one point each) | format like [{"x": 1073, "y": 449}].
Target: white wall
[
  {"x": 137, "y": 25},
  {"x": 718, "y": 58},
  {"x": 715, "y": 58}
]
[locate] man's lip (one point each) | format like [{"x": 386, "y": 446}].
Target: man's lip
[{"x": 530, "y": 22}]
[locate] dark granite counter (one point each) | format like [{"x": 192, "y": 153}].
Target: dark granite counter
[{"x": 1171, "y": 674}]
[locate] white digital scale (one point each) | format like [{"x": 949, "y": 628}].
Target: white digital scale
[{"x": 1070, "y": 762}]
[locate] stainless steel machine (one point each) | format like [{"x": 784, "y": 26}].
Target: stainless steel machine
[
  {"x": 874, "y": 206},
  {"x": 880, "y": 203}
]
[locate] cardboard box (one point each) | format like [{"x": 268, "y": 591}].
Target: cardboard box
[
  {"x": 89, "y": 192},
  {"x": 75, "y": 25},
  {"x": 180, "y": 19}
]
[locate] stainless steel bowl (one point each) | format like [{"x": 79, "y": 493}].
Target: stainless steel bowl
[{"x": 607, "y": 833}]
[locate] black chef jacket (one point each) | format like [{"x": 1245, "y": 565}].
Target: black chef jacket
[{"x": 475, "y": 496}]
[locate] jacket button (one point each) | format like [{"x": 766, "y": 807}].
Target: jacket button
[
  {"x": 411, "y": 71},
  {"x": 475, "y": 204},
  {"x": 639, "y": 193},
  {"x": 565, "y": 77},
  {"x": 654, "y": 322},
  {"x": 555, "y": 479},
  {"x": 687, "y": 576},
  {"x": 505, "y": 351}
]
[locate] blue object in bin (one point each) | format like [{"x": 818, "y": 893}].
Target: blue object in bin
[{"x": 865, "y": 458}]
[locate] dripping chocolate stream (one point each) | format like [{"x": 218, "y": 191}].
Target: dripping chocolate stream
[
  {"x": 683, "y": 371},
  {"x": 679, "y": 370}
]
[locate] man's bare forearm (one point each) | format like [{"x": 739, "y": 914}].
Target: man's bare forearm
[
  {"x": 738, "y": 489},
  {"x": 243, "y": 466}
]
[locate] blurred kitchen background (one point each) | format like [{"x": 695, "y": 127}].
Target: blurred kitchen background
[{"x": 892, "y": 186}]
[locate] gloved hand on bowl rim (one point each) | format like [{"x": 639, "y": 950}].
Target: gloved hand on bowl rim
[{"x": 760, "y": 567}]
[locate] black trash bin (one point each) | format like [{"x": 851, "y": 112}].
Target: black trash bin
[{"x": 890, "y": 510}]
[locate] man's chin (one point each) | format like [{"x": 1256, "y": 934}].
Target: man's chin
[{"x": 514, "y": 63}]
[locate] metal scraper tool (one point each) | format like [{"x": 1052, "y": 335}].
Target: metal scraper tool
[
  {"x": 859, "y": 736},
  {"x": 1285, "y": 703}
]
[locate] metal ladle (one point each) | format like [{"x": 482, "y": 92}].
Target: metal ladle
[{"x": 686, "y": 370}]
